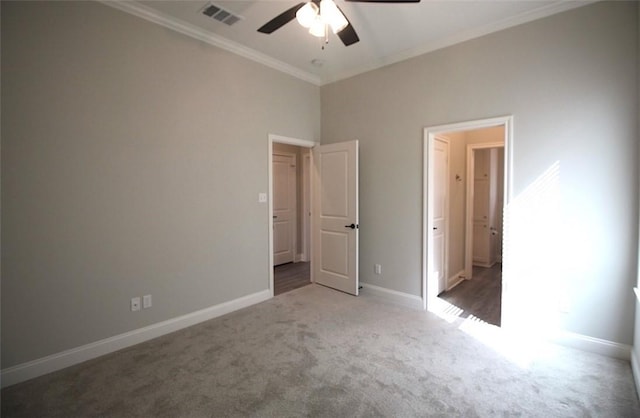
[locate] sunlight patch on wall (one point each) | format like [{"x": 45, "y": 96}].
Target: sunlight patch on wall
[{"x": 534, "y": 286}]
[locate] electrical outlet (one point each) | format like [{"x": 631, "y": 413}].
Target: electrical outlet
[
  {"x": 135, "y": 304},
  {"x": 146, "y": 301},
  {"x": 377, "y": 269}
]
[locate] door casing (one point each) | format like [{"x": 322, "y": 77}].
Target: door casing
[
  {"x": 306, "y": 207},
  {"x": 290, "y": 141}
]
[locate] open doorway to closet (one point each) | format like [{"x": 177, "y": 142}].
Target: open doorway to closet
[
  {"x": 291, "y": 186},
  {"x": 465, "y": 181}
]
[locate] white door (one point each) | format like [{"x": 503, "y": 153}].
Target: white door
[
  {"x": 483, "y": 202},
  {"x": 440, "y": 201},
  {"x": 335, "y": 216},
  {"x": 481, "y": 231},
  {"x": 284, "y": 208}
]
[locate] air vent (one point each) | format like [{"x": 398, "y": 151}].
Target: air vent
[{"x": 220, "y": 14}]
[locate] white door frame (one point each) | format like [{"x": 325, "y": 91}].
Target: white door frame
[
  {"x": 469, "y": 196},
  {"x": 428, "y": 298},
  {"x": 280, "y": 140},
  {"x": 306, "y": 206}
]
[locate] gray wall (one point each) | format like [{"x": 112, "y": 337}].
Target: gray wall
[
  {"x": 132, "y": 161},
  {"x": 570, "y": 81},
  {"x": 636, "y": 340}
]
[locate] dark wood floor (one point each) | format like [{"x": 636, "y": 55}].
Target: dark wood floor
[
  {"x": 480, "y": 296},
  {"x": 290, "y": 276}
]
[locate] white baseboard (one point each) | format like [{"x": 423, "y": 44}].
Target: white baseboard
[
  {"x": 635, "y": 361},
  {"x": 593, "y": 345},
  {"x": 48, "y": 364},
  {"x": 635, "y": 368},
  {"x": 404, "y": 299},
  {"x": 299, "y": 257},
  {"x": 455, "y": 280}
]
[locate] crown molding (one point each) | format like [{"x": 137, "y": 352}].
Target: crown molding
[
  {"x": 529, "y": 16},
  {"x": 137, "y": 9},
  {"x": 188, "y": 29}
]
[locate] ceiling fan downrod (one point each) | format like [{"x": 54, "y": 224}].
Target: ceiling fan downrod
[{"x": 326, "y": 36}]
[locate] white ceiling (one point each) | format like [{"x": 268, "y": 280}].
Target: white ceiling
[{"x": 388, "y": 32}]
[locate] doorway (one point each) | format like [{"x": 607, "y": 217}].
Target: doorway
[
  {"x": 289, "y": 191},
  {"x": 484, "y": 199},
  {"x": 332, "y": 190},
  {"x": 475, "y": 174}
]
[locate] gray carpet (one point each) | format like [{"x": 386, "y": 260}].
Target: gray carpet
[{"x": 318, "y": 352}]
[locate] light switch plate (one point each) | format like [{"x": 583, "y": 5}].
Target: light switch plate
[{"x": 262, "y": 197}]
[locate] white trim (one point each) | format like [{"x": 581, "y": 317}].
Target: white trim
[
  {"x": 635, "y": 361},
  {"x": 456, "y": 279},
  {"x": 298, "y": 258},
  {"x": 635, "y": 369},
  {"x": 193, "y": 31},
  {"x": 592, "y": 345},
  {"x": 48, "y": 364},
  {"x": 393, "y": 296},
  {"x": 306, "y": 206},
  {"x": 304, "y": 143},
  {"x": 430, "y": 132},
  {"x": 281, "y": 140}
]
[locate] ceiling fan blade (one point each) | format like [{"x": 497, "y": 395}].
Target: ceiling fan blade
[
  {"x": 280, "y": 20},
  {"x": 383, "y": 1},
  {"x": 348, "y": 35}
]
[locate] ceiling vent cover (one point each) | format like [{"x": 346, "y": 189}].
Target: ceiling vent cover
[{"x": 220, "y": 14}]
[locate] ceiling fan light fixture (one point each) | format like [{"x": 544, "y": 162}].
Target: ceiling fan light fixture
[
  {"x": 307, "y": 14},
  {"x": 332, "y": 16},
  {"x": 318, "y": 27}
]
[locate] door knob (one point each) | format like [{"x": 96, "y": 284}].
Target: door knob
[{"x": 352, "y": 226}]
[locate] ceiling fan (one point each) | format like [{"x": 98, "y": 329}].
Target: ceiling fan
[{"x": 319, "y": 16}]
